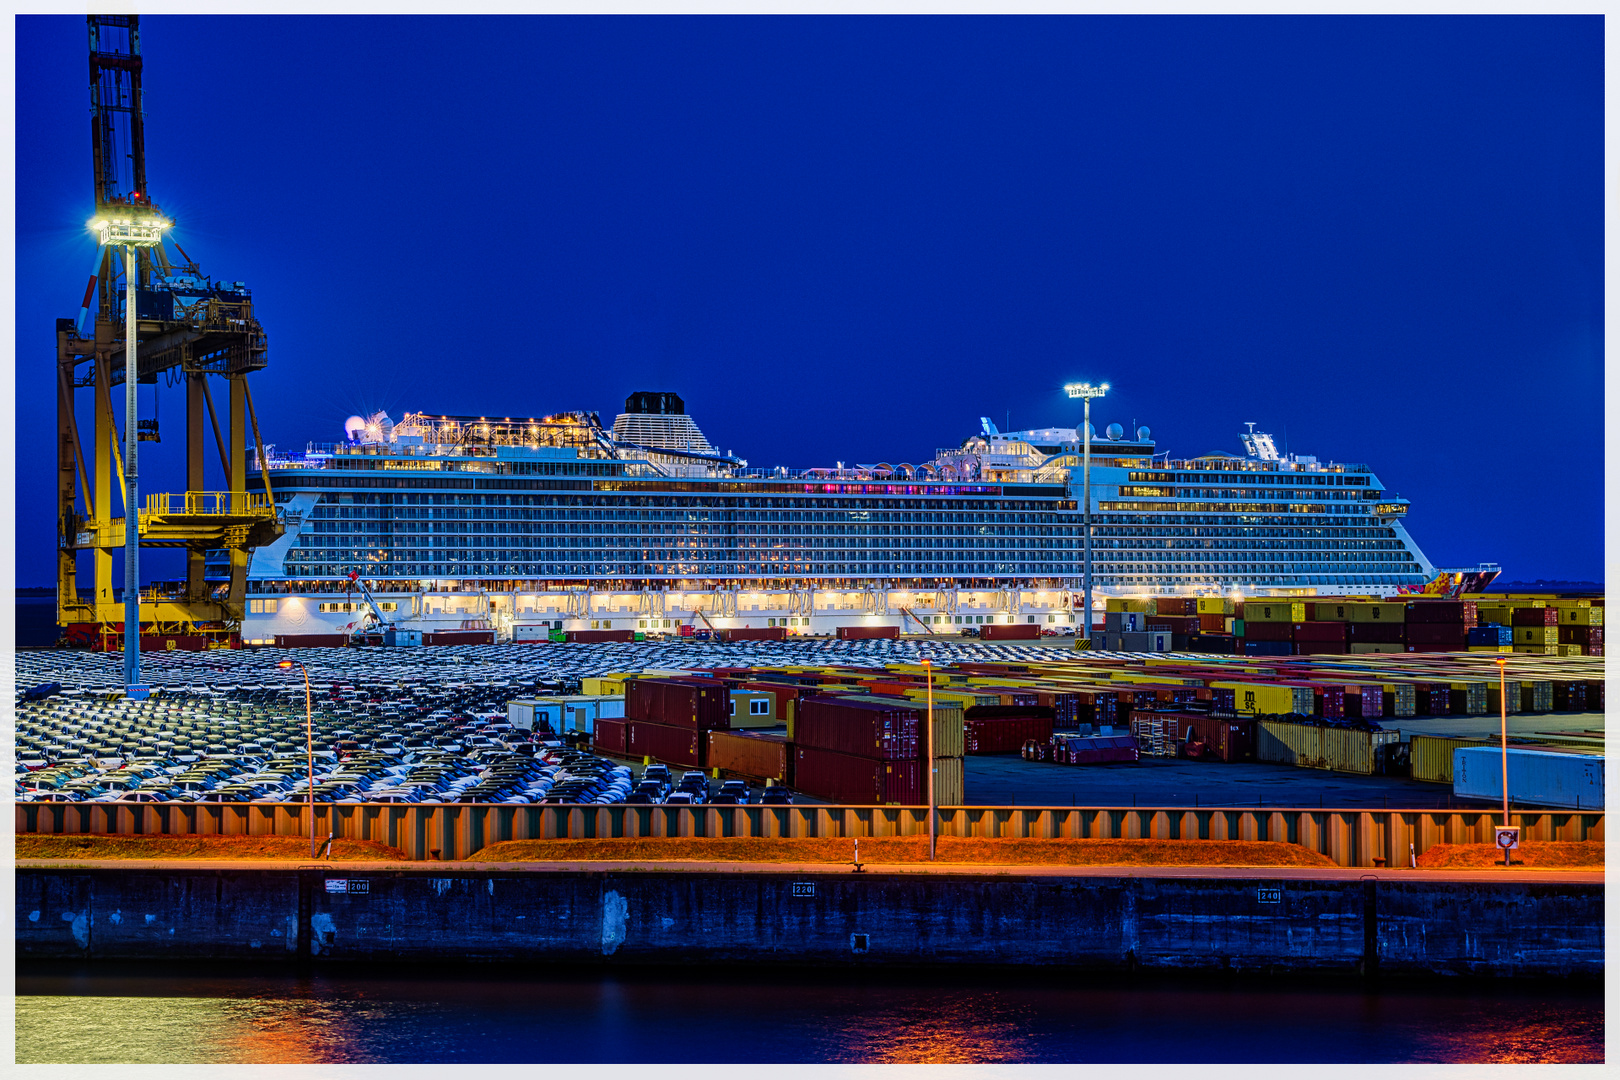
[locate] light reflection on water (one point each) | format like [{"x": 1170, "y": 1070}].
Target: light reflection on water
[{"x": 159, "y": 1014}]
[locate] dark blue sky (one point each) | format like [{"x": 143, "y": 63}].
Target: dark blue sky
[{"x": 849, "y": 238}]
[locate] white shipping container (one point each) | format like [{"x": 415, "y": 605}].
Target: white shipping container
[
  {"x": 1535, "y": 777},
  {"x": 525, "y": 714}
]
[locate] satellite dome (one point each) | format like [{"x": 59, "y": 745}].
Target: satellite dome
[
  {"x": 353, "y": 426},
  {"x": 1144, "y": 433},
  {"x": 1115, "y": 431}
]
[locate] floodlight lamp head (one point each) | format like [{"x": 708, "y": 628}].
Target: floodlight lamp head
[
  {"x": 1085, "y": 390},
  {"x": 284, "y": 664},
  {"x": 130, "y": 225}
]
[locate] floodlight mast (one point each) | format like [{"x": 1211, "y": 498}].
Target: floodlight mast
[
  {"x": 1085, "y": 392},
  {"x": 131, "y": 225}
]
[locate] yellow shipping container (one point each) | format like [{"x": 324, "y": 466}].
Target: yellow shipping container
[
  {"x": 1535, "y": 635},
  {"x": 1570, "y": 603},
  {"x": 1377, "y": 612},
  {"x": 1432, "y": 756},
  {"x": 1500, "y": 615},
  {"x": 1126, "y": 604},
  {"x": 1571, "y": 650},
  {"x": 1326, "y": 611},
  {"x": 1257, "y": 698},
  {"x": 950, "y": 782},
  {"x": 1491, "y": 648},
  {"x": 1537, "y": 650},
  {"x": 1266, "y": 611},
  {"x": 1580, "y": 616},
  {"x": 1215, "y": 605},
  {"x": 602, "y": 686}
]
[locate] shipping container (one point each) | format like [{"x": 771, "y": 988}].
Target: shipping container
[
  {"x": 1175, "y": 606},
  {"x": 856, "y": 781},
  {"x": 1465, "y": 612},
  {"x": 950, "y": 782},
  {"x": 1009, "y": 631},
  {"x": 1268, "y": 631},
  {"x": 862, "y": 728},
  {"x": 1534, "y": 777},
  {"x": 1005, "y": 734},
  {"x": 1452, "y": 635},
  {"x": 678, "y": 703},
  {"x": 1318, "y": 631},
  {"x": 610, "y": 737},
  {"x": 1338, "y": 749},
  {"x": 1572, "y": 634},
  {"x": 1493, "y": 635},
  {"x": 1535, "y": 616},
  {"x": 599, "y": 635},
  {"x": 671, "y": 745},
  {"x": 602, "y": 685},
  {"x": 1211, "y": 738},
  {"x": 1580, "y": 616},
  {"x": 754, "y": 633},
  {"x": 1264, "y": 611},
  {"x": 1273, "y": 698},
  {"x": 1377, "y": 613},
  {"x": 865, "y": 633},
  {"x": 1377, "y": 633},
  {"x": 1214, "y": 605},
  {"x": 1123, "y": 604},
  {"x": 459, "y": 637},
  {"x": 1432, "y": 756},
  {"x": 754, "y": 755},
  {"x": 311, "y": 641}
]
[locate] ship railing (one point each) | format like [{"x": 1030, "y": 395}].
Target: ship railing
[{"x": 193, "y": 503}]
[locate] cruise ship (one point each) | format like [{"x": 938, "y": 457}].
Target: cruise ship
[{"x": 560, "y": 522}]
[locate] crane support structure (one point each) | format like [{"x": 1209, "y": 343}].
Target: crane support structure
[{"x": 189, "y": 329}]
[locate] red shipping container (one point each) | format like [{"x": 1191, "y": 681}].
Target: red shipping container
[
  {"x": 1535, "y": 616},
  {"x": 1452, "y": 634},
  {"x": 1219, "y": 739},
  {"x": 1593, "y": 650},
  {"x": 863, "y": 633},
  {"x": 693, "y": 704},
  {"x": 860, "y": 728},
  {"x": 671, "y": 745},
  {"x": 1176, "y": 624},
  {"x": 1365, "y": 701},
  {"x": 755, "y": 633},
  {"x": 310, "y": 641},
  {"x": 1006, "y": 734},
  {"x": 1009, "y": 631},
  {"x": 1575, "y": 635},
  {"x": 1465, "y": 612},
  {"x": 1179, "y": 605},
  {"x": 1319, "y": 631},
  {"x": 610, "y": 736},
  {"x": 1268, "y": 631},
  {"x": 856, "y": 781},
  {"x": 1213, "y": 623},
  {"x": 1378, "y": 633},
  {"x": 754, "y": 755},
  {"x": 1320, "y": 648}
]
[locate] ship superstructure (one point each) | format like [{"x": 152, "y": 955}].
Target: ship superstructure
[{"x": 498, "y": 522}]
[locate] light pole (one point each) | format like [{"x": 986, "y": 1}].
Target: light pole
[
  {"x": 131, "y": 225},
  {"x": 933, "y": 836},
  {"x": 1086, "y": 392},
  {"x": 309, "y": 746},
  {"x": 1501, "y": 671}
]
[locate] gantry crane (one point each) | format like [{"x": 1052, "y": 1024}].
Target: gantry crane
[{"x": 190, "y": 329}]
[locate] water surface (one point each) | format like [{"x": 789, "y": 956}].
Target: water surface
[{"x": 156, "y": 1013}]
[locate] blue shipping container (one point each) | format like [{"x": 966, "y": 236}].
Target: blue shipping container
[
  {"x": 1491, "y": 634},
  {"x": 1535, "y": 777}
]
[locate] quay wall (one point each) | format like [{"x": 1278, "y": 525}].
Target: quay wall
[
  {"x": 455, "y": 913},
  {"x": 453, "y": 831}
]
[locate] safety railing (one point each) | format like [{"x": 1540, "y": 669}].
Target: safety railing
[
  {"x": 208, "y": 502},
  {"x": 1351, "y": 838}
]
